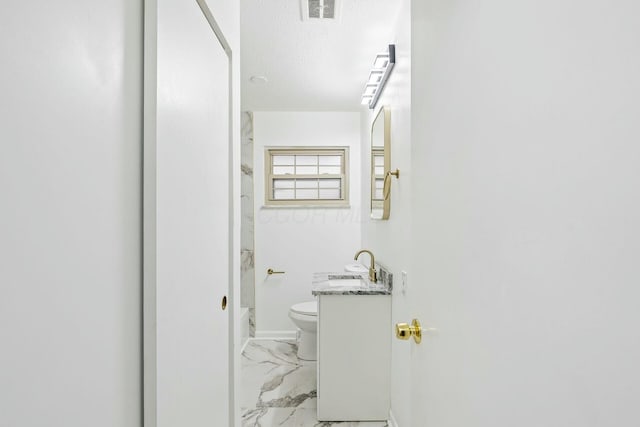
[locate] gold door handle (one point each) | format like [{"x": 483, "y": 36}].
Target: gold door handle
[
  {"x": 404, "y": 331},
  {"x": 271, "y": 271}
]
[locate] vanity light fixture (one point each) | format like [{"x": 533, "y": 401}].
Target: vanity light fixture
[
  {"x": 370, "y": 90},
  {"x": 382, "y": 66},
  {"x": 366, "y": 99},
  {"x": 375, "y": 76}
]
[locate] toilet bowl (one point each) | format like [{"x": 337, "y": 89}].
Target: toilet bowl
[{"x": 305, "y": 317}]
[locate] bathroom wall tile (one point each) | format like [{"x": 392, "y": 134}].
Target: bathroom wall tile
[
  {"x": 247, "y": 298},
  {"x": 247, "y": 295},
  {"x": 247, "y": 224},
  {"x": 246, "y": 261},
  {"x": 246, "y": 137},
  {"x": 252, "y": 322},
  {"x": 247, "y": 276}
]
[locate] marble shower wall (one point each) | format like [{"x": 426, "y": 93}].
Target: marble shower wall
[{"x": 247, "y": 277}]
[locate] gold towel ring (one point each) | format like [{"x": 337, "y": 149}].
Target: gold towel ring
[{"x": 386, "y": 189}]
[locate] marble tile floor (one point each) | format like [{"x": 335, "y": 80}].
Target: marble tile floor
[{"x": 279, "y": 390}]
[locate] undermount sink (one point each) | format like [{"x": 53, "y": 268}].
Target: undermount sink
[
  {"x": 355, "y": 267},
  {"x": 345, "y": 280}
]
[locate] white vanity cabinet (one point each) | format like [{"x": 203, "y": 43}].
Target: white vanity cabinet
[{"x": 354, "y": 357}]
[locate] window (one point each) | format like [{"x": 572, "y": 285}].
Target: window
[
  {"x": 377, "y": 171},
  {"x": 307, "y": 176}
]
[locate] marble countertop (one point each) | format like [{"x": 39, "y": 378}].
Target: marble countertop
[{"x": 321, "y": 284}]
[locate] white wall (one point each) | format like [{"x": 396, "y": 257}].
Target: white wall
[
  {"x": 525, "y": 215},
  {"x": 70, "y": 213},
  {"x": 301, "y": 241}
]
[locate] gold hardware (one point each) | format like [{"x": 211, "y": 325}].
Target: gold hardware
[
  {"x": 386, "y": 188},
  {"x": 373, "y": 275},
  {"x": 271, "y": 271},
  {"x": 404, "y": 331},
  {"x": 224, "y": 302}
]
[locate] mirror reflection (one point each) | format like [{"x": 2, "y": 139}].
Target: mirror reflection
[{"x": 380, "y": 163}]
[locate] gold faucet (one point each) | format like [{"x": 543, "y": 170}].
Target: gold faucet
[{"x": 373, "y": 276}]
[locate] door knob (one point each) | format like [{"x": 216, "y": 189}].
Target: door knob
[
  {"x": 404, "y": 331},
  {"x": 271, "y": 271}
]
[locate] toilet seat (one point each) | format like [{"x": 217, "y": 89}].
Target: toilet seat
[
  {"x": 305, "y": 316},
  {"x": 306, "y": 308}
]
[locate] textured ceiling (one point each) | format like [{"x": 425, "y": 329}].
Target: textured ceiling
[{"x": 312, "y": 65}]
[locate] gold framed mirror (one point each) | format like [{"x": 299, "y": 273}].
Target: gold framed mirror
[{"x": 381, "y": 164}]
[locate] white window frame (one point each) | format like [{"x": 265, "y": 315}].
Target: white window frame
[
  {"x": 307, "y": 151},
  {"x": 376, "y": 203}
]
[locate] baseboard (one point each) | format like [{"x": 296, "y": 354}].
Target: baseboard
[
  {"x": 276, "y": 335},
  {"x": 392, "y": 420}
]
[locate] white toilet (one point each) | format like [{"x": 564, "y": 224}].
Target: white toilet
[{"x": 305, "y": 316}]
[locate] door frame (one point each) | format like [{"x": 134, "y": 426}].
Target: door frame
[{"x": 149, "y": 185}]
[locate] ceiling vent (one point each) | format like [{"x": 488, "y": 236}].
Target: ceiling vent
[{"x": 320, "y": 9}]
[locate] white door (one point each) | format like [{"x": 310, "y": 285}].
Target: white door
[
  {"x": 527, "y": 215},
  {"x": 191, "y": 224}
]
